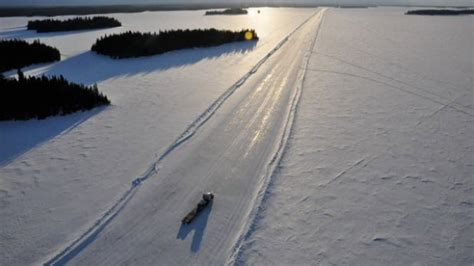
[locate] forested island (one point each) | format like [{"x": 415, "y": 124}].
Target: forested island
[
  {"x": 135, "y": 44},
  {"x": 39, "y": 97},
  {"x": 441, "y": 12},
  {"x": 229, "y": 11},
  {"x": 16, "y": 54},
  {"x": 79, "y": 23}
]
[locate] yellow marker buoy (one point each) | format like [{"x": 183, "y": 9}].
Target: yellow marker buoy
[{"x": 248, "y": 35}]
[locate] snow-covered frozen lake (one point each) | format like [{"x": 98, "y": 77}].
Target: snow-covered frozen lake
[{"x": 343, "y": 136}]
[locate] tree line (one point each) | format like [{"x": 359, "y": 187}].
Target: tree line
[
  {"x": 39, "y": 97},
  {"x": 229, "y": 11},
  {"x": 441, "y": 12},
  {"x": 78, "y": 23},
  {"x": 135, "y": 44},
  {"x": 16, "y": 54}
]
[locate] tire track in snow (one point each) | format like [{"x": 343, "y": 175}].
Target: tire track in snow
[
  {"x": 440, "y": 97},
  {"x": 272, "y": 169},
  {"x": 79, "y": 244}
]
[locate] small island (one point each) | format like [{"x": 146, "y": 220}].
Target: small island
[
  {"x": 441, "y": 12},
  {"x": 16, "y": 54},
  {"x": 229, "y": 11},
  {"x": 79, "y": 23},
  {"x": 39, "y": 97},
  {"x": 135, "y": 44}
]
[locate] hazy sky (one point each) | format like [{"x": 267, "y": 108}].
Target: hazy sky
[{"x": 106, "y": 2}]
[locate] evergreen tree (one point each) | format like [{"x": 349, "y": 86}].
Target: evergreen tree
[
  {"x": 441, "y": 12},
  {"x": 40, "y": 97},
  {"x": 134, "y": 44},
  {"x": 79, "y": 23},
  {"x": 16, "y": 54},
  {"x": 229, "y": 11},
  {"x": 21, "y": 76}
]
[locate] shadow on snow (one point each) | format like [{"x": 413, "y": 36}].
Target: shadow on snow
[
  {"x": 198, "y": 225},
  {"x": 23, "y": 33},
  {"x": 89, "y": 67},
  {"x": 17, "y": 137}
]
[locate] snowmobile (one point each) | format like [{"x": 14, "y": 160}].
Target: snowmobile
[{"x": 206, "y": 199}]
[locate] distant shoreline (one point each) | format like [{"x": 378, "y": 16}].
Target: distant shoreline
[
  {"x": 107, "y": 9},
  {"x": 226, "y": 12},
  {"x": 441, "y": 12},
  {"x": 49, "y": 11}
]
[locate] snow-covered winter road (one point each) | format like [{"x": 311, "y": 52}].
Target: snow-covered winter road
[{"x": 232, "y": 154}]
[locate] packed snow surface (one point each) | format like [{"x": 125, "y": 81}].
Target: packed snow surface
[
  {"x": 70, "y": 183},
  {"x": 380, "y": 163}
]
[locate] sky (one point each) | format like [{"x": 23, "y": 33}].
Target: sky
[{"x": 336, "y": 2}]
